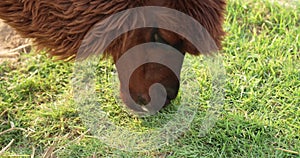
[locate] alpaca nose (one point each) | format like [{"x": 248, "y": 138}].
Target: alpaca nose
[{"x": 144, "y": 99}]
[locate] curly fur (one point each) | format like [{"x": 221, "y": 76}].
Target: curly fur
[{"x": 59, "y": 26}]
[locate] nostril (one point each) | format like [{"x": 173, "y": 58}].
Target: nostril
[{"x": 142, "y": 100}]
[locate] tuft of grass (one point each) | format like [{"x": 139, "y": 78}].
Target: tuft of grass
[{"x": 260, "y": 118}]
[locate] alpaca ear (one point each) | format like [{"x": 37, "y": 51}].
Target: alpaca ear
[{"x": 210, "y": 14}]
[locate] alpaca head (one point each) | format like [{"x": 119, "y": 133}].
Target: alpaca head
[{"x": 158, "y": 58}]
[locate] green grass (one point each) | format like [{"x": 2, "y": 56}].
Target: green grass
[{"x": 260, "y": 118}]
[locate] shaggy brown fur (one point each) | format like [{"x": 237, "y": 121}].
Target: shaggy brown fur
[{"x": 59, "y": 26}]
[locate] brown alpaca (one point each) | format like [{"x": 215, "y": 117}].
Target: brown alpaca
[{"x": 59, "y": 26}]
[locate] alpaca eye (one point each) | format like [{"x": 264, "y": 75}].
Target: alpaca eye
[
  {"x": 159, "y": 39},
  {"x": 156, "y": 37}
]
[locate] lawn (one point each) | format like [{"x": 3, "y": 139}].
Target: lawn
[{"x": 260, "y": 116}]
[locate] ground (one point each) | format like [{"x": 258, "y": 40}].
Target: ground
[{"x": 11, "y": 44}]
